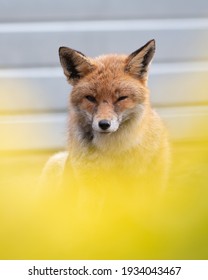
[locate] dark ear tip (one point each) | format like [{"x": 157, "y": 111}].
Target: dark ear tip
[{"x": 61, "y": 49}]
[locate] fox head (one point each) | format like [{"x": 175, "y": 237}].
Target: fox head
[{"x": 109, "y": 90}]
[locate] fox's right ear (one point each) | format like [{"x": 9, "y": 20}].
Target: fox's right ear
[{"x": 75, "y": 64}]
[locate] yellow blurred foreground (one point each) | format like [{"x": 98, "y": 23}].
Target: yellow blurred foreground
[{"x": 124, "y": 225}]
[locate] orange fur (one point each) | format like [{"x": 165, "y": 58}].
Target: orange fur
[{"x": 112, "y": 128}]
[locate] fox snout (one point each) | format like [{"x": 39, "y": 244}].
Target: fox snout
[{"x": 105, "y": 125}]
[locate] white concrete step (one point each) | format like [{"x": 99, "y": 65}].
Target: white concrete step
[
  {"x": 39, "y": 10},
  {"x": 36, "y": 44},
  {"x": 48, "y": 131},
  {"x": 45, "y": 89}
]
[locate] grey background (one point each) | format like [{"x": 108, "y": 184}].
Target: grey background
[{"x": 33, "y": 90}]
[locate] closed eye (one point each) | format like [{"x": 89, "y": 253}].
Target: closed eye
[
  {"x": 122, "y": 98},
  {"x": 91, "y": 98}
]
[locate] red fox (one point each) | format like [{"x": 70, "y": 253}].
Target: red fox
[{"x": 112, "y": 130}]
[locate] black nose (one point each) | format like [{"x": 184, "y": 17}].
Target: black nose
[{"x": 104, "y": 124}]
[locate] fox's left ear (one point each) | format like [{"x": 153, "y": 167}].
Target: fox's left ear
[
  {"x": 75, "y": 64},
  {"x": 138, "y": 62}
]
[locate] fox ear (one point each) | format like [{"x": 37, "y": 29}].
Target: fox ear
[
  {"x": 75, "y": 64},
  {"x": 138, "y": 62}
]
